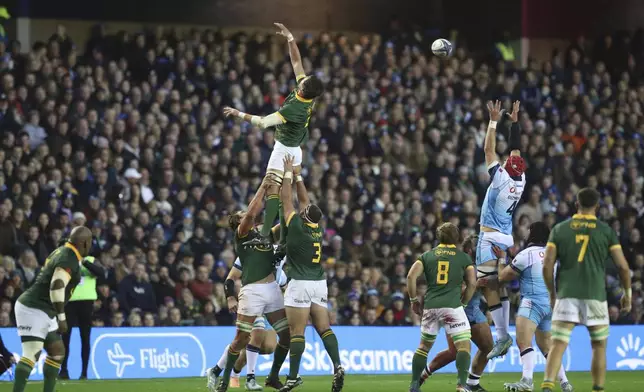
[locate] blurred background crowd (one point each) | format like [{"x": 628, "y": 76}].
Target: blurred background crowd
[{"x": 126, "y": 136}]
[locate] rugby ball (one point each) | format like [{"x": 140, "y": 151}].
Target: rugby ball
[{"x": 442, "y": 47}]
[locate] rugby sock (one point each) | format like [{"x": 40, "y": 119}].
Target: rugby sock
[
  {"x": 23, "y": 370},
  {"x": 230, "y": 362},
  {"x": 597, "y": 388},
  {"x": 50, "y": 372},
  {"x": 505, "y": 303},
  {"x": 528, "y": 357},
  {"x": 297, "y": 349},
  {"x": 270, "y": 213},
  {"x": 418, "y": 364},
  {"x": 473, "y": 379},
  {"x": 331, "y": 346},
  {"x": 462, "y": 366},
  {"x": 497, "y": 316},
  {"x": 547, "y": 384},
  {"x": 282, "y": 225},
  {"x": 221, "y": 364},
  {"x": 252, "y": 353},
  {"x": 278, "y": 360}
]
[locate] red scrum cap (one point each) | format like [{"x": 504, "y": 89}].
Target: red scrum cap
[{"x": 515, "y": 165}]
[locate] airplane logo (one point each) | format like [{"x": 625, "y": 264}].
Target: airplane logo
[{"x": 119, "y": 359}]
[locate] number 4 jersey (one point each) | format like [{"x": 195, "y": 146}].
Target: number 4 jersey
[
  {"x": 502, "y": 197},
  {"x": 303, "y": 249},
  {"x": 583, "y": 245},
  {"x": 444, "y": 272}
]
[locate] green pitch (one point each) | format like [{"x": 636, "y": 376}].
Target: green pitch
[{"x": 616, "y": 381}]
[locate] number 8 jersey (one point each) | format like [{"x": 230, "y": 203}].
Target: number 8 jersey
[
  {"x": 501, "y": 199},
  {"x": 444, "y": 268},
  {"x": 303, "y": 249}
]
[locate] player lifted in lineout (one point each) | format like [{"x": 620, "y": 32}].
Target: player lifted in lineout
[
  {"x": 307, "y": 293},
  {"x": 582, "y": 244},
  {"x": 40, "y": 311},
  {"x": 291, "y": 124},
  {"x": 445, "y": 269},
  {"x": 260, "y": 295},
  {"x": 535, "y": 314},
  {"x": 262, "y": 340},
  {"x": 481, "y": 336},
  {"x": 503, "y": 194}
]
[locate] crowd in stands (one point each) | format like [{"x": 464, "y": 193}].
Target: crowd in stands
[{"x": 127, "y": 137}]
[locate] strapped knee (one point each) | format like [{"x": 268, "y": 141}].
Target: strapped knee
[
  {"x": 425, "y": 337},
  {"x": 244, "y": 327},
  {"x": 599, "y": 334},
  {"x": 31, "y": 352},
  {"x": 275, "y": 175},
  {"x": 281, "y": 326},
  {"x": 462, "y": 336},
  {"x": 561, "y": 333}
]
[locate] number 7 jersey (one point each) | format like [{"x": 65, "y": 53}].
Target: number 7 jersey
[
  {"x": 444, "y": 269},
  {"x": 502, "y": 197},
  {"x": 303, "y": 249}
]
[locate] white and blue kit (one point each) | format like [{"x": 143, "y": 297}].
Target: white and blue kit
[
  {"x": 282, "y": 281},
  {"x": 473, "y": 310},
  {"x": 535, "y": 300},
  {"x": 502, "y": 197}
]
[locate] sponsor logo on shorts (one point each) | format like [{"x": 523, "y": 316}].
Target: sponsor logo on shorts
[
  {"x": 24, "y": 328},
  {"x": 631, "y": 351},
  {"x": 323, "y": 300},
  {"x": 458, "y": 325},
  {"x": 301, "y": 301}
]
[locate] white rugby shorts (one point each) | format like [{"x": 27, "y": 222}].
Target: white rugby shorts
[
  {"x": 588, "y": 312},
  {"x": 257, "y": 299},
  {"x": 303, "y": 293},
  {"x": 453, "y": 320},
  {"x": 276, "y": 161},
  {"x": 34, "y": 322}
]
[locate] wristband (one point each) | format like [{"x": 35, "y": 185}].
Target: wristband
[
  {"x": 413, "y": 300},
  {"x": 288, "y": 176},
  {"x": 298, "y": 178},
  {"x": 61, "y": 317},
  {"x": 628, "y": 292},
  {"x": 492, "y": 124},
  {"x": 240, "y": 114},
  {"x": 290, "y": 38}
]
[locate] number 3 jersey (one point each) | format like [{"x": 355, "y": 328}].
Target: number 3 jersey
[
  {"x": 444, "y": 272},
  {"x": 303, "y": 249},
  {"x": 501, "y": 199}
]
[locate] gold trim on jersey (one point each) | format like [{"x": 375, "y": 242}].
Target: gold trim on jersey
[
  {"x": 290, "y": 216},
  {"x": 73, "y": 248},
  {"x": 616, "y": 246},
  {"x": 551, "y": 245},
  {"x": 584, "y": 216},
  {"x": 297, "y": 96},
  {"x": 446, "y": 246},
  {"x": 280, "y": 116},
  {"x": 299, "y": 77},
  {"x": 311, "y": 225}
]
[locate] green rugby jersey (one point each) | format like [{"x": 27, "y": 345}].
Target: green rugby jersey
[
  {"x": 303, "y": 249},
  {"x": 66, "y": 257},
  {"x": 257, "y": 261},
  {"x": 296, "y": 113},
  {"x": 583, "y": 245},
  {"x": 444, "y": 269}
]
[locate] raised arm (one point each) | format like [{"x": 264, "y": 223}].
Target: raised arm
[
  {"x": 470, "y": 284},
  {"x": 293, "y": 51},
  {"x": 59, "y": 282},
  {"x": 302, "y": 194},
  {"x": 254, "y": 208},
  {"x": 286, "y": 194},
  {"x": 514, "y": 137},
  {"x": 489, "y": 147},
  {"x": 549, "y": 270},
  {"x": 414, "y": 273},
  {"x": 271, "y": 120}
]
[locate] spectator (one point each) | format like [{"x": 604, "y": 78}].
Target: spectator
[
  {"x": 201, "y": 287},
  {"x": 136, "y": 293}
]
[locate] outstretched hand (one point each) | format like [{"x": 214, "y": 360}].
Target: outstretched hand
[
  {"x": 283, "y": 31},
  {"x": 230, "y": 112},
  {"x": 495, "y": 110},
  {"x": 288, "y": 163},
  {"x": 514, "y": 116}
]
